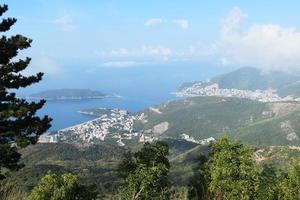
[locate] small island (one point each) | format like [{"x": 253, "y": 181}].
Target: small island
[{"x": 69, "y": 94}]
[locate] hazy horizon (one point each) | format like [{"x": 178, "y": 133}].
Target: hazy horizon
[{"x": 106, "y": 45}]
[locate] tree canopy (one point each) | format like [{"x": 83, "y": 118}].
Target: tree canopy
[
  {"x": 19, "y": 124},
  {"x": 65, "y": 187},
  {"x": 145, "y": 173}
]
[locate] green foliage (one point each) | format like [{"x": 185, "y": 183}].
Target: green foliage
[
  {"x": 203, "y": 117},
  {"x": 229, "y": 172},
  {"x": 19, "y": 124},
  {"x": 290, "y": 184},
  {"x": 198, "y": 186},
  {"x": 232, "y": 170},
  {"x": 11, "y": 191},
  {"x": 65, "y": 187},
  {"x": 269, "y": 179},
  {"x": 95, "y": 164},
  {"x": 145, "y": 173}
]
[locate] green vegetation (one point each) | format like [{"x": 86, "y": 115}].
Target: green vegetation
[
  {"x": 145, "y": 173},
  {"x": 226, "y": 168},
  {"x": 253, "y": 122},
  {"x": 93, "y": 164},
  {"x": 229, "y": 172},
  {"x": 19, "y": 125},
  {"x": 65, "y": 187},
  {"x": 203, "y": 117}
]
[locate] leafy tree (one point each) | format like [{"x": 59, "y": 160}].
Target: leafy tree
[
  {"x": 290, "y": 185},
  {"x": 19, "y": 125},
  {"x": 231, "y": 170},
  {"x": 65, "y": 187},
  {"x": 145, "y": 173}
]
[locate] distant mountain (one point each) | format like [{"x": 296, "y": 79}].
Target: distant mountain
[
  {"x": 248, "y": 78},
  {"x": 65, "y": 94}
]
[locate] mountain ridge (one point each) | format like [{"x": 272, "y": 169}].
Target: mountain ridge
[{"x": 249, "y": 78}]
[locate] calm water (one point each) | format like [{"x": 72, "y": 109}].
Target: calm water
[{"x": 65, "y": 112}]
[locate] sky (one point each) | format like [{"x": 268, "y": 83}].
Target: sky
[{"x": 81, "y": 37}]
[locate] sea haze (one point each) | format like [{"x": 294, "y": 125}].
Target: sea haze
[{"x": 140, "y": 87}]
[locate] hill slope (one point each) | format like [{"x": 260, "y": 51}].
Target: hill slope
[
  {"x": 248, "y": 78},
  {"x": 253, "y": 122}
]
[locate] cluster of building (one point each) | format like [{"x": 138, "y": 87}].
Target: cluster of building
[
  {"x": 199, "y": 89},
  {"x": 117, "y": 123},
  {"x": 192, "y": 139}
]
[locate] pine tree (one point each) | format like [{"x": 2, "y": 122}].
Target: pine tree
[{"x": 19, "y": 125}]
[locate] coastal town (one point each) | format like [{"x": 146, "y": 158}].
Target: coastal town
[
  {"x": 200, "y": 89},
  {"x": 116, "y": 123}
]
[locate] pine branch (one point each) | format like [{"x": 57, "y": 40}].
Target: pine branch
[
  {"x": 6, "y": 24},
  {"x": 3, "y": 9}
]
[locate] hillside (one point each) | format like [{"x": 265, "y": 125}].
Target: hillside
[
  {"x": 253, "y": 122},
  {"x": 248, "y": 78},
  {"x": 95, "y": 164}
]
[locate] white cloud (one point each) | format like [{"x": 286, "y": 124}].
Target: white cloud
[
  {"x": 182, "y": 23},
  {"x": 66, "y": 22},
  {"x": 266, "y": 46},
  {"x": 120, "y": 64},
  {"x": 158, "y": 52},
  {"x": 231, "y": 23},
  {"x": 153, "y": 22}
]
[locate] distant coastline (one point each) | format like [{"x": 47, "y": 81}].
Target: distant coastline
[{"x": 69, "y": 94}]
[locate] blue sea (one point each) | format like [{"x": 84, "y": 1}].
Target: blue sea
[
  {"x": 140, "y": 87},
  {"x": 65, "y": 112}
]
